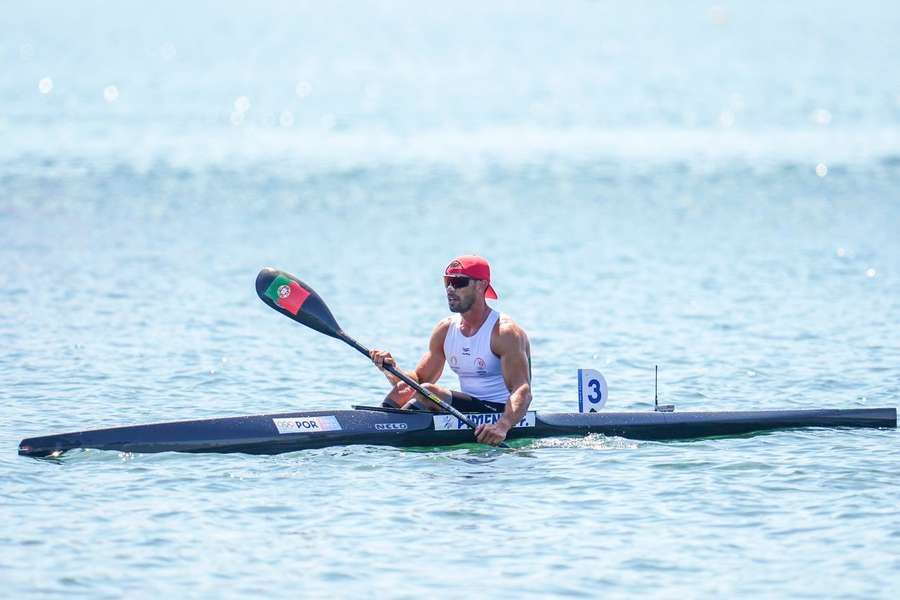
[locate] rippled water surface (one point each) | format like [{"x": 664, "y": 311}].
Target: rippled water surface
[{"x": 710, "y": 188}]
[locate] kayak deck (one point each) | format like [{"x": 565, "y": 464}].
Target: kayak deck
[{"x": 287, "y": 432}]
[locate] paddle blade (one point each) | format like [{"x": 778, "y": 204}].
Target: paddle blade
[{"x": 290, "y": 296}]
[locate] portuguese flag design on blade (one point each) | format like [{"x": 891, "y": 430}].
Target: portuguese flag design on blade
[{"x": 287, "y": 293}]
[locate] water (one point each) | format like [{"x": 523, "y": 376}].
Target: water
[{"x": 710, "y": 188}]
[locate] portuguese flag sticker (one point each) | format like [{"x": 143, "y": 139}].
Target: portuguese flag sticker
[{"x": 287, "y": 293}]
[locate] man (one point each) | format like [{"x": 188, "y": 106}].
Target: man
[{"x": 487, "y": 350}]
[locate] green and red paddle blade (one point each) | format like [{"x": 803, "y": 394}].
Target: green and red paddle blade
[{"x": 293, "y": 298}]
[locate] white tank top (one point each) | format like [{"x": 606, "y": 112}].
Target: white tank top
[{"x": 473, "y": 361}]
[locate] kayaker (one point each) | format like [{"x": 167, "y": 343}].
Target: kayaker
[{"x": 489, "y": 352}]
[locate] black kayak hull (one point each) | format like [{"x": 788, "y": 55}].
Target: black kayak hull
[{"x": 288, "y": 432}]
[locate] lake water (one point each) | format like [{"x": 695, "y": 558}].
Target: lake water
[{"x": 712, "y": 188}]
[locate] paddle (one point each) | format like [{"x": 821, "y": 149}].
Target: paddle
[{"x": 296, "y": 300}]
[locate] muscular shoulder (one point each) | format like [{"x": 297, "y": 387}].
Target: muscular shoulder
[
  {"x": 508, "y": 336},
  {"x": 442, "y": 326},
  {"x": 439, "y": 333}
]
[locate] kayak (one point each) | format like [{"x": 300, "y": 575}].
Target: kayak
[{"x": 288, "y": 432}]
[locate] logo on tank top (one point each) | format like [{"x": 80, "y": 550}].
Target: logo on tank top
[
  {"x": 480, "y": 365},
  {"x": 467, "y": 352},
  {"x": 454, "y": 362}
]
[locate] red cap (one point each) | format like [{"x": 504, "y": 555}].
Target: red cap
[{"x": 475, "y": 267}]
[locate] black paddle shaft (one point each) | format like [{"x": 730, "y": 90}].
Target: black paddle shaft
[{"x": 409, "y": 381}]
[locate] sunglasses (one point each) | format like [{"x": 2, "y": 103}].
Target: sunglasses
[{"x": 457, "y": 282}]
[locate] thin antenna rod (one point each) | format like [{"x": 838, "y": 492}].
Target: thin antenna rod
[
  {"x": 656, "y": 387},
  {"x": 665, "y": 408}
]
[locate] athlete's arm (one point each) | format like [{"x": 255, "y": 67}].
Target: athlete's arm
[
  {"x": 431, "y": 365},
  {"x": 429, "y": 369},
  {"x": 512, "y": 346}
]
